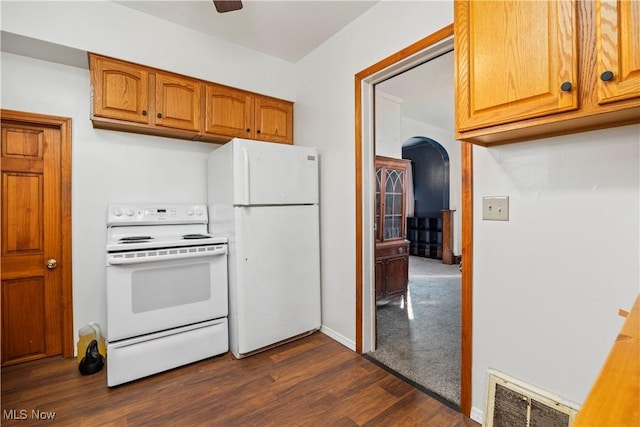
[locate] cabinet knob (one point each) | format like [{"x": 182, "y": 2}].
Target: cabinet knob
[
  {"x": 144, "y": 112},
  {"x": 566, "y": 86},
  {"x": 606, "y": 76},
  {"x": 258, "y": 131},
  {"x": 248, "y": 130},
  {"x": 400, "y": 250},
  {"x": 159, "y": 115}
]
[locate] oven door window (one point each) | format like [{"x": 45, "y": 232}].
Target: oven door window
[
  {"x": 153, "y": 296},
  {"x": 159, "y": 288}
]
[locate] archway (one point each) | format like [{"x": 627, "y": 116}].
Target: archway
[{"x": 430, "y": 172}]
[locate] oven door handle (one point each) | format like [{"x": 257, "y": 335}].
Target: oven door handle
[{"x": 118, "y": 259}]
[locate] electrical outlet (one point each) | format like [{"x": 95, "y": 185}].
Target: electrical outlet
[{"x": 495, "y": 208}]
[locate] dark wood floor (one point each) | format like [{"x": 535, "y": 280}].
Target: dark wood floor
[{"x": 309, "y": 382}]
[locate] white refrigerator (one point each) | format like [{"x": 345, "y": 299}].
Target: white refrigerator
[{"x": 264, "y": 198}]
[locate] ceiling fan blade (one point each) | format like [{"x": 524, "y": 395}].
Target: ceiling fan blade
[{"x": 227, "y": 6}]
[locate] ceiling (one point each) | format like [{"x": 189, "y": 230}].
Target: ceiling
[
  {"x": 286, "y": 29},
  {"x": 426, "y": 91},
  {"x": 290, "y": 29}
]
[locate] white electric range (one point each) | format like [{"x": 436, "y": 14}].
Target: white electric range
[{"x": 166, "y": 289}]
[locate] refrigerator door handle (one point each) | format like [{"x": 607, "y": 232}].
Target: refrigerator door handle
[{"x": 245, "y": 177}]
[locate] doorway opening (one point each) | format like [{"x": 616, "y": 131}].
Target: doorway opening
[
  {"x": 418, "y": 307},
  {"x": 420, "y": 52}
]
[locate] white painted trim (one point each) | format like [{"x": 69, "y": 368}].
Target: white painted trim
[
  {"x": 389, "y": 97},
  {"x": 477, "y": 415},
  {"x": 368, "y": 212},
  {"x": 350, "y": 344}
]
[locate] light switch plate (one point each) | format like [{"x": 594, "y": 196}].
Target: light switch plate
[{"x": 495, "y": 208}]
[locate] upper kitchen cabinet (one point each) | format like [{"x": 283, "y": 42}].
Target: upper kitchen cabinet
[
  {"x": 177, "y": 102},
  {"x": 243, "y": 114},
  {"x": 527, "y": 70},
  {"x": 517, "y": 60},
  {"x": 135, "y": 98},
  {"x": 273, "y": 120},
  {"x": 228, "y": 111},
  {"x": 120, "y": 90},
  {"x": 132, "y": 97},
  {"x": 618, "y": 29}
]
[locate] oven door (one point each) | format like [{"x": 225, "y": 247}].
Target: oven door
[{"x": 150, "y": 296}]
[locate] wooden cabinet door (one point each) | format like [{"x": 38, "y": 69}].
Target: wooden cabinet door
[
  {"x": 178, "y": 101},
  {"x": 228, "y": 112},
  {"x": 273, "y": 120},
  {"x": 512, "y": 59},
  {"x": 618, "y": 51},
  {"x": 31, "y": 238},
  {"x": 396, "y": 275},
  {"x": 120, "y": 90}
]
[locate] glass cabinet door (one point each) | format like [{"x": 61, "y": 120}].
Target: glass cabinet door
[
  {"x": 393, "y": 204},
  {"x": 390, "y": 199}
]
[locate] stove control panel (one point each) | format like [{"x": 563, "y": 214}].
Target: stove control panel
[{"x": 156, "y": 214}]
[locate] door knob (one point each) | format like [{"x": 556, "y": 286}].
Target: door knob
[{"x": 52, "y": 263}]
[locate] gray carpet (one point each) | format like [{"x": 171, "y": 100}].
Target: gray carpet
[{"x": 420, "y": 339}]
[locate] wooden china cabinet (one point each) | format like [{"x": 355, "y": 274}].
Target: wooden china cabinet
[{"x": 392, "y": 248}]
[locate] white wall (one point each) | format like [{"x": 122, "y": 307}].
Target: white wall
[
  {"x": 108, "y": 28},
  {"x": 107, "y": 167},
  {"x": 548, "y": 283},
  {"x": 325, "y": 118},
  {"x": 388, "y": 113},
  {"x": 113, "y": 167}
]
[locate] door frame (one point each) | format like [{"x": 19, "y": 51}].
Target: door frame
[
  {"x": 429, "y": 47},
  {"x": 63, "y": 124}
]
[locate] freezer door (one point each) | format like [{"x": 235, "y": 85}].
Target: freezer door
[
  {"x": 274, "y": 174},
  {"x": 277, "y": 276}
]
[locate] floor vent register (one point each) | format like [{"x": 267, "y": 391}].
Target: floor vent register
[{"x": 513, "y": 403}]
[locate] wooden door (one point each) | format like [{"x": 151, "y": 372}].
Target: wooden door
[
  {"x": 120, "y": 90},
  {"x": 618, "y": 50},
  {"x": 177, "y": 102},
  {"x": 228, "y": 112},
  {"x": 273, "y": 120},
  {"x": 36, "y": 271},
  {"x": 515, "y": 60}
]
